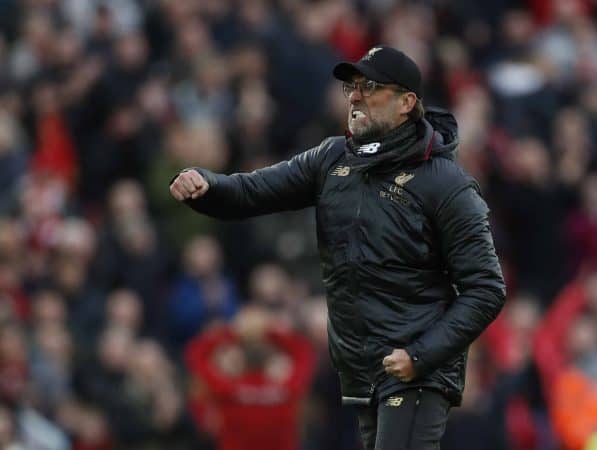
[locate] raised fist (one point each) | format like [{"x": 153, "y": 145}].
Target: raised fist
[{"x": 188, "y": 184}]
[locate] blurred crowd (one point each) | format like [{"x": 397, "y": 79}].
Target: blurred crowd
[{"x": 129, "y": 322}]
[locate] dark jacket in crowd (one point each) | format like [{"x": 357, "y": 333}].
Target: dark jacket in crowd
[{"x": 407, "y": 256}]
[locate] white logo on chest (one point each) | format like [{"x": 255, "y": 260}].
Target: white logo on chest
[{"x": 369, "y": 149}]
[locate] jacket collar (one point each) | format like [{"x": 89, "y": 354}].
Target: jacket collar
[{"x": 389, "y": 153}]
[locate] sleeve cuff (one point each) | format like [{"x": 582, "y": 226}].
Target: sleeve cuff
[
  {"x": 208, "y": 175},
  {"x": 421, "y": 369}
]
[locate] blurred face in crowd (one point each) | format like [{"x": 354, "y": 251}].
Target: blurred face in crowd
[
  {"x": 124, "y": 309},
  {"x": 55, "y": 342},
  {"x": 192, "y": 38},
  {"x": 147, "y": 363},
  {"x": 8, "y": 133},
  {"x": 38, "y": 31},
  {"x": 251, "y": 325},
  {"x": 13, "y": 361},
  {"x": 136, "y": 235},
  {"x": 42, "y": 197},
  {"x": 115, "y": 348},
  {"x": 203, "y": 257},
  {"x": 269, "y": 285},
  {"x": 11, "y": 240},
  {"x": 212, "y": 74},
  {"x": 374, "y": 113},
  {"x": 103, "y": 23},
  {"x": 524, "y": 314},
  {"x": 154, "y": 101},
  {"x": 45, "y": 98},
  {"x": 315, "y": 319},
  {"x": 12, "y": 345},
  {"x": 68, "y": 47},
  {"x": 48, "y": 308},
  {"x": 255, "y": 110},
  {"x": 126, "y": 198},
  {"x": 76, "y": 241},
  {"x": 131, "y": 51},
  {"x": 69, "y": 275},
  {"x": 531, "y": 161},
  {"x": 208, "y": 136}
]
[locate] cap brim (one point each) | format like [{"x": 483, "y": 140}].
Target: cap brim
[{"x": 345, "y": 71}]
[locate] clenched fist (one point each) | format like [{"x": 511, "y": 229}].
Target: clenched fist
[
  {"x": 400, "y": 365},
  {"x": 188, "y": 184}
]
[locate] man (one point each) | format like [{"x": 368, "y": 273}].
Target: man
[{"x": 407, "y": 257}]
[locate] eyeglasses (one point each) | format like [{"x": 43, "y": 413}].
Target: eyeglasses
[{"x": 366, "y": 88}]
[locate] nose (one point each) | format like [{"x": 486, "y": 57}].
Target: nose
[{"x": 355, "y": 96}]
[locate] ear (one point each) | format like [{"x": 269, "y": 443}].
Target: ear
[{"x": 407, "y": 102}]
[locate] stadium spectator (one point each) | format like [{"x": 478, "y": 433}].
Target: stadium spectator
[
  {"x": 203, "y": 294},
  {"x": 573, "y": 398},
  {"x": 551, "y": 352},
  {"x": 256, "y": 374}
]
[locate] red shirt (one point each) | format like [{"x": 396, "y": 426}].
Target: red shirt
[{"x": 255, "y": 412}]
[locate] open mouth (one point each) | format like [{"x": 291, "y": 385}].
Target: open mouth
[{"x": 356, "y": 114}]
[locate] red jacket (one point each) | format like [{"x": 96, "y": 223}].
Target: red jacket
[{"x": 255, "y": 412}]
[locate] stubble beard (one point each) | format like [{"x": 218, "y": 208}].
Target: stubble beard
[{"x": 374, "y": 131}]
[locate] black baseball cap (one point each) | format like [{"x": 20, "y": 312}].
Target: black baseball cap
[{"x": 386, "y": 65}]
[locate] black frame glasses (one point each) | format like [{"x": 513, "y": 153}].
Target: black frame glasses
[{"x": 367, "y": 87}]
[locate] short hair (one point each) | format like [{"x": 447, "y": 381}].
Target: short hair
[{"x": 417, "y": 112}]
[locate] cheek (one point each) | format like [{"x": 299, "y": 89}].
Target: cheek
[{"x": 383, "y": 115}]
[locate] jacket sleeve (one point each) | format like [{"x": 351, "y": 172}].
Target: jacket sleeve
[
  {"x": 469, "y": 256},
  {"x": 288, "y": 185}
]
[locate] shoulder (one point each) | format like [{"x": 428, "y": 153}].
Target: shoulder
[
  {"x": 331, "y": 147},
  {"x": 334, "y": 148},
  {"x": 325, "y": 154},
  {"x": 446, "y": 172},
  {"x": 440, "y": 179}
]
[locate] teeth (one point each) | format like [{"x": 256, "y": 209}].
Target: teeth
[{"x": 356, "y": 114}]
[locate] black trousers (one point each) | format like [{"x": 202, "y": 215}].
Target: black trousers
[{"x": 414, "y": 419}]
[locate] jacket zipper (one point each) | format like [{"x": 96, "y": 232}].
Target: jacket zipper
[
  {"x": 355, "y": 240},
  {"x": 354, "y": 259}
]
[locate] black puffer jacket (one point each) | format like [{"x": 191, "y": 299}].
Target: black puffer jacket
[{"x": 407, "y": 255}]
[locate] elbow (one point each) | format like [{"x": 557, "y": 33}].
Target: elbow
[{"x": 495, "y": 295}]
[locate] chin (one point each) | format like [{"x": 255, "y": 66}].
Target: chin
[
  {"x": 359, "y": 131},
  {"x": 366, "y": 134}
]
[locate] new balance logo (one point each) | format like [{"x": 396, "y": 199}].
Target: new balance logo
[
  {"x": 369, "y": 149},
  {"x": 394, "y": 401},
  {"x": 341, "y": 171}
]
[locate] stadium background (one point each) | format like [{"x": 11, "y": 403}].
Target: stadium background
[{"x": 104, "y": 278}]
